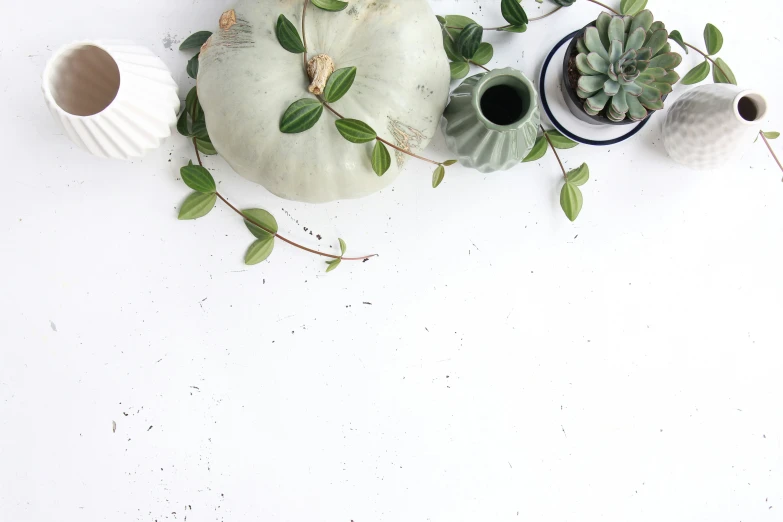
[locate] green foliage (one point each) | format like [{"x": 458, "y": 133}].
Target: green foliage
[
  {"x": 331, "y": 265},
  {"x": 438, "y": 175},
  {"x": 301, "y": 115},
  {"x": 198, "y": 178},
  {"x": 722, "y": 73},
  {"x": 339, "y": 83},
  {"x": 559, "y": 141},
  {"x": 571, "y": 200},
  {"x": 771, "y": 135},
  {"x": 538, "y": 151},
  {"x": 484, "y": 53},
  {"x": 677, "y": 37},
  {"x": 343, "y": 246},
  {"x": 195, "y": 40},
  {"x": 564, "y": 3},
  {"x": 697, "y": 74},
  {"x": 259, "y": 250},
  {"x": 381, "y": 159},
  {"x": 513, "y": 12},
  {"x": 288, "y": 36},
  {"x": 192, "y": 68},
  {"x": 459, "y": 70},
  {"x": 259, "y": 216},
  {"x": 330, "y": 5},
  {"x": 713, "y": 39},
  {"x": 632, "y": 7},
  {"x": 355, "y": 131},
  {"x": 579, "y": 176},
  {"x": 197, "y": 205},
  {"x": 469, "y": 40},
  {"x": 205, "y": 147}
]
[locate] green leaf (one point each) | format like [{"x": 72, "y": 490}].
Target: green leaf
[
  {"x": 343, "y": 246},
  {"x": 515, "y": 29},
  {"x": 459, "y": 22},
  {"x": 571, "y": 200},
  {"x": 330, "y": 5},
  {"x": 331, "y": 265},
  {"x": 632, "y": 7},
  {"x": 451, "y": 51},
  {"x": 438, "y": 175},
  {"x": 697, "y": 74},
  {"x": 484, "y": 53},
  {"x": 197, "y": 205},
  {"x": 559, "y": 141},
  {"x": 565, "y": 3},
  {"x": 259, "y": 250},
  {"x": 381, "y": 160},
  {"x": 459, "y": 70},
  {"x": 772, "y": 135},
  {"x": 449, "y": 163},
  {"x": 713, "y": 39},
  {"x": 262, "y": 217},
  {"x": 199, "y": 129},
  {"x": 183, "y": 124},
  {"x": 512, "y": 12},
  {"x": 195, "y": 40},
  {"x": 192, "y": 67},
  {"x": 191, "y": 103},
  {"x": 677, "y": 37},
  {"x": 469, "y": 40},
  {"x": 579, "y": 176},
  {"x": 538, "y": 151},
  {"x": 288, "y": 36},
  {"x": 339, "y": 83},
  {"x": 441, "y": 20},
  {"x": 718, "y": 75},
  {"x": 205, "y": 147},
  {"x": 198, "y": 178},
  {"x": 355, "y": 131},
  {"x": 301, "y": 115}
]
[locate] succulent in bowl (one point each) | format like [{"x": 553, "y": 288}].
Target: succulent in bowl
[{"x": 626, "y": 66}]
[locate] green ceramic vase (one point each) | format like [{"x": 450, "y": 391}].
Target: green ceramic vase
[{"x": 492, "y": 120}]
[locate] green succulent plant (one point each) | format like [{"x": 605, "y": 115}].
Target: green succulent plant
[{"x": 625, "y": 66}]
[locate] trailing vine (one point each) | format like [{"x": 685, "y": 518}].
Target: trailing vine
[{"x": 261, "y": 224}]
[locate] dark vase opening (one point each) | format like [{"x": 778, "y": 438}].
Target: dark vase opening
[
  {"x": 747, "y": 109},
  {"x": 504, "y": 105}
]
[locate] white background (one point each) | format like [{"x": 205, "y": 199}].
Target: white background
[{"x": 511, "y": 365}]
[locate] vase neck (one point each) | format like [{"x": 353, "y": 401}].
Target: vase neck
[
  {"x": 749, "y": 107},
  {"x": 504, "y": 100}
]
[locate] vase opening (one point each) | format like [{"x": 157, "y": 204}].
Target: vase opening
[
  {"x": 84, "y": 80},
  {"x": 505, "y": 103},
  {"x": 751, "y": 107}
]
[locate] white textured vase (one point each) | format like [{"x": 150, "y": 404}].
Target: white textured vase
[
  {"x": 114, "y": 99},
  {"x": 712, "y": 125}
]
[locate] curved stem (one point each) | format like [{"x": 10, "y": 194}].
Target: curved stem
[
  {"x": 304, "y": 36},
  {"x": 262, "y": 227},
  {"x": 548, "y": 14},
  {"x": 555, "y": 151},
  {"x": 392, "y": 145},
  {"x": 707, "y": 56},
  {"x": 766, "y": 141},
  {"x": 479, "y": 65},
  {"x": 605, "y": 7}
]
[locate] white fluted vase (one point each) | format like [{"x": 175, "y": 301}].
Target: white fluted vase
[
  {"x": 114, "y": 99},
  {"x": 712, "y": 124}
]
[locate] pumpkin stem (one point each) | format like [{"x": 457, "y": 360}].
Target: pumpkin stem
[
  {"x": 228, "y": 19},
  {"x": 319, "y": 68}
]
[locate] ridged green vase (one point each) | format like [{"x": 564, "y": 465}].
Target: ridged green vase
[{"x": 492, "y": 120}]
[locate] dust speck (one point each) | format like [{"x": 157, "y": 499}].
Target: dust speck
[{"x": 54, "y": 326}]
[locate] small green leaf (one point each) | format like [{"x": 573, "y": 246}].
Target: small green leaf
[
  {"x": 259, "y": 250},
  {"x": 515, "y": 28},
  {"x": 772, "y": 135},
  {"x": 713, "y": 39},
  {"x": 571, "y": 200},
  {"x": 330, "y": 5},
  {"x": 441, "y": 20},
  {"x": 469, "y": 40},
  {"x": 632, "y": 7},
  {"x": 459, "y": 70},
  {"x": 451, "y": 51},
  {"x": 484, "y": 53},
  {"x": 718, "y": 75},
  {"x": 339, "y": 83},
  {"x": 381, "y": 160},
  {"x": 192, "y": 68},
  {"x": 288, "y": 36},
  {"x": 513, "y": 12},
  {"x": 677, "y": 37},
  {"x": 697, "y": 74},
  {"x": 438, "y": 175},
  {"x": 565, "y": 3},
  {"x": 262, "y": 217},
  {"x": 199, "y": 129},
  {"x": 579, "y": 176},
  {"x": 331, "y": 265},
  {"x": 538, "y": 151},
  {"x": 343, "y": 246},
  {"x": 449, "y": 163},
  {"x": 559, "y": 141},
  {"x": 355, "y": 131},
  {"x": 197, "y": 205},
  {"x": 205, "y": 147},
  {"x": 301, "y": 115},
  {"x": 195, "y": 40},
  {"x": 459, "y": 22},
  {"x": 191, "y": 103},
  {"x": 183, "y": 124},
  {"x": 198, "y": 178}
]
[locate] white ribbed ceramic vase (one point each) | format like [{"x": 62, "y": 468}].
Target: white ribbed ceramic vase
[
  {"x": 712, "y": 124},
  {"x": 114, "y": 99}
]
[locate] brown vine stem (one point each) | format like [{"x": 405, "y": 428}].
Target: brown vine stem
[
  {"x": 707, "y": 56},
  {"x": 766, "y": 142},
  {"x": 278, "y": 236},
  {"x": 555, "y": 151},
  {"x": 605, "y": 7}
]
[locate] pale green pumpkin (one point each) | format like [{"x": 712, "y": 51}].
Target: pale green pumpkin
[{"x": 246, "y": 81}]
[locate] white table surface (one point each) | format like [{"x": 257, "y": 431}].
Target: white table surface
[{"x": 496, "y": 362}]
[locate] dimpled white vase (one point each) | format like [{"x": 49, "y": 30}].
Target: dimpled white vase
[
  {"x": 114, "y": 99},
  {"x": 712, "y": 124}
]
